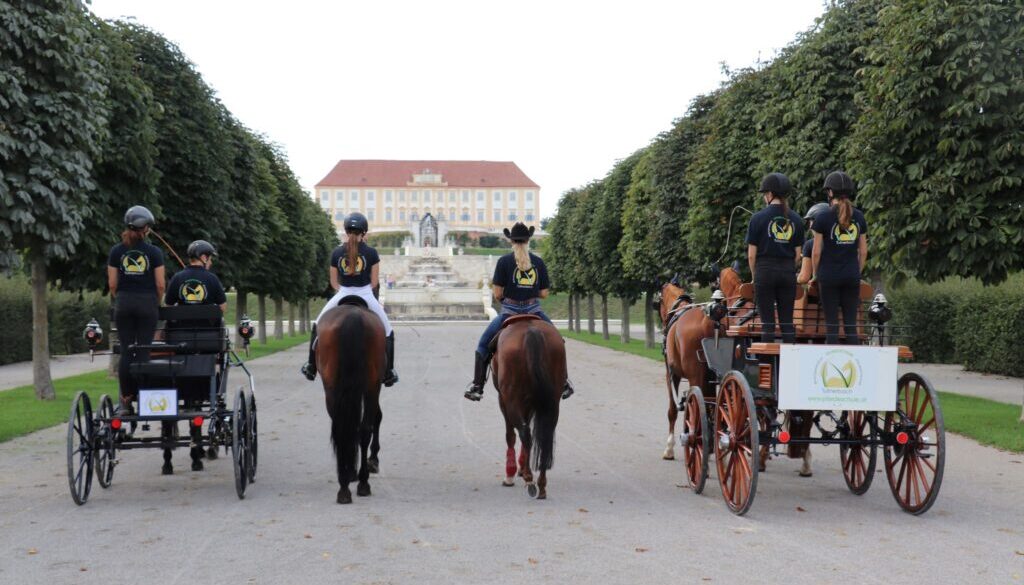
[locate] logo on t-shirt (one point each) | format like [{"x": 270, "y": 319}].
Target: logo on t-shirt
[
  {"x": 360, "y": 264},
  {"x": 847, "y": 236},
  {"x": 780, "y": 229},
  {"x": 134, "y": 262},
  {"x": 192, "y": 292},
  {"x": 525, "y": 278}
]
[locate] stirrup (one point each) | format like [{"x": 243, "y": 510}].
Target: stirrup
[
  {"x": 475, "y": 393},
  {"x": 308, "y": 371},
  {"x": 567, "y": 391}
]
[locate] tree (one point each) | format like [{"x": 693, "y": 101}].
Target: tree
[{"x": 52, "y": 119}]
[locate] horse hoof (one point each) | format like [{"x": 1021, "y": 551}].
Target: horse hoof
[
  {"x": 167, "y": 470},
  {"x": 197, "y": 465},
  {"x": 808, "y": 474},
  {"x": 543, "y": 495},
  {"x": 531, "y": 489},
  {"x": 373, "y": 465},
  {"x": 363, "y": 489},
  {"x": 211, "y": 453},
  {"x": 344, "y": 497},
  {"x": 508, "y": 482},
  {"x": 669, "y": 456}
]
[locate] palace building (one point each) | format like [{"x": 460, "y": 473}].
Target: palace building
[{"x": 400, "y": 195}]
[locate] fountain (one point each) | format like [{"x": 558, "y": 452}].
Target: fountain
[{"x": 430, "y": 289}]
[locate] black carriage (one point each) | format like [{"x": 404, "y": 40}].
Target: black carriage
[
  {"x": 184, "y": 380},
  {"x": 743, "y": 416}
]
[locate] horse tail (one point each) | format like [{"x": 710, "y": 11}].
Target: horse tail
[
  {"x": 349, "y": 386},
  {"x": 545, "y": 401}
]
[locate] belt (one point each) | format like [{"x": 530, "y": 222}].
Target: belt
[{"x": 516, "y": 303}]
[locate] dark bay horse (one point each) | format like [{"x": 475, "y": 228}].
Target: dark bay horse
[
  {"x": 350, "y": 357},
  {"x": 529, "y": 374}
]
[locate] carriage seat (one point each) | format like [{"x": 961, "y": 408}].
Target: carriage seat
[
  {"x": 354, "y": 300},
  {"x": 195, "y": 329},
  {"x": 176, "y": 366}
]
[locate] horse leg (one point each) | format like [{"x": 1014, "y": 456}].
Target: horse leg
[
  {"x": 526, "y": 442},
  {"x": 542, "y": 485},
  {"x": 805, "y": 467},
  {"x": 197, "y": 451},
  {"x": 165, "y": 432},
  {"x": 510, "y": 455},
  {"x": 373, "y": 461},
  {"x": 365, "y": 436},
  {"x": 673, "y": 412}
]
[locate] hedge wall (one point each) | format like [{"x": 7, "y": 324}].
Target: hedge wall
[
  {"x": 961, "y": 321},
  {"x": 69, "y": 312}
]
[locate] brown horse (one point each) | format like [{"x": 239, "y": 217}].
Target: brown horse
[
  {"x": 350, "y": 357},
  {"x": 529, "y": 374}
]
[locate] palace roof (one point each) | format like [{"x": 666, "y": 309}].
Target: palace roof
[{"x": 399, "y": 173}]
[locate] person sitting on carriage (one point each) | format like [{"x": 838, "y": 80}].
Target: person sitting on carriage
[
  {"x": 195, "y": 284},
  {"x": 806, "y": 262},
  {"x": 774, "y": 238},
  {"x": 840, "y": 251},
  {"x": 355, "y": 271},
  {"x": 520, "y": 281}
]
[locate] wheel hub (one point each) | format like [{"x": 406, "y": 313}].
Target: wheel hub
[{"x": 725, "y": 442}]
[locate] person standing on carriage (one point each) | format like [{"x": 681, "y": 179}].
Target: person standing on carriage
[
  {"x": 195, "y": 284},
  {"x": 520, "y": 281},
  {"x": 840, "y": 251},
  {"x": 806, "y": 262},
  {"x": 774, "y": 238},
  {"x": 135, "y": 276},
  {"x": 355, "y": 271}
]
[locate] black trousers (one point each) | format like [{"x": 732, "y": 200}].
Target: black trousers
[
  {"x": 775, "y": 290},
  {"x": 135, "y": 315},
  {"x": 838, "y": 294}
]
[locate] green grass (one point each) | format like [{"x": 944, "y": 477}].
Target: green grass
[
  {"x": 988, "y": 422},
  {"x": 22, "y": 413},
  {"x": 486, "y": 251},
  {"x": 253, "y": 308}
]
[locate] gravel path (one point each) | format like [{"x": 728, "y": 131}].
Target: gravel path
[{"x": 616, "y": 512}]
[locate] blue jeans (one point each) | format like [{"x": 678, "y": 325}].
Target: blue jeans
[{"x": 495, "y": 325}]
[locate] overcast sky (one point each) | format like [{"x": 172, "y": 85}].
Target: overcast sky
[{"x": 562, "y": 88}]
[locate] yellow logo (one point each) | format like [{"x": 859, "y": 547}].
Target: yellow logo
[
  {"x": 838, "y": 370},
  {"x": 343, "y": 265},
  {"x": 847, "y": 236},
  {"x": 527, "y": 278},
  {"x": 192, "y": 292},
  {"x": 134, "y": 262},
  {"x": 781, "y": 229},
  {"x": 157, "y": 403}
]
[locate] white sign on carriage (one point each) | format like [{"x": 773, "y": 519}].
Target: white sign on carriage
[{"x": 837, "y": 377}]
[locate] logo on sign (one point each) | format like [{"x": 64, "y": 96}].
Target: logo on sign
[
  {"x": 838, "y": 370},
  {"x": 157, "y": 403}
]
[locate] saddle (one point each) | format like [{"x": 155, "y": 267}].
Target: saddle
[
  {"x": 493, "y": 345},
  {"x": 354, "y": 300}
]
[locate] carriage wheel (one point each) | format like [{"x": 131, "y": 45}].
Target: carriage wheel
[
  {"x": 106, "y": 449},
  {"x": 858, "y": 461},
  {"x": 915, "y": 469},
  {"x": 697, "y": 439},
  {"x": 252, "y": 437},
  {"x": 240, "y": 444},
  {"x": 81, "y": 440},
  {"x": 736, "y": 442}
]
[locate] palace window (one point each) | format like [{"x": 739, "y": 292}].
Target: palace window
[
  {"x": 370, "y": 215},
  {"x": 497, "y": 196},
  {"x": 511, "y": 196},
  {"x": 497, "y": 215},
  {"x": 465, "y": 196},
  {"x": 370, "y": 196},
  {"x": 529, "y": 217},
  {"x": 451, "y": 197},
  {"x": 414, "y": 196},
  {"x": 325, "y": 199},
  {"x": 387, "y": 216},
  {"x": 401, "y": 196},
  {"x": 387, "y": 197},
  {"x": 354, "y": 196},
  {"x": 480, "y": 215},
  {"x": 511, "y": 217},
  {"x": 529, "y": 200},
  {"x": 401, "y": 215},
  {"x": 480, "y": 197},
  {"x": 339, "y": 216},
  {"x": 465, "y": 218},
  {"x": 426, "y": 195}
]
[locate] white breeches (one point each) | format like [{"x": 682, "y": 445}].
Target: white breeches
[{"x": 365, "y": 293}]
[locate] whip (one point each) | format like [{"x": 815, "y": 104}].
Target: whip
[
  {"x": 728, "y": 234},
  {"x": 168, "y": 246}
]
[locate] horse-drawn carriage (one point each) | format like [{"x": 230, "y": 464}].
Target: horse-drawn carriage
[
  {"x": 746, "y": 397},
  {"x": 185, "y": 378}
]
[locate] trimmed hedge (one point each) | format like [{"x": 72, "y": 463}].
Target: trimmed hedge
[
  {"x": 69, "y": 312},
  {"x": 962, "y": 321}
]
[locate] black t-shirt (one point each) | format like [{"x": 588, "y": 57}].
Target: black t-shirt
[
  {"x": 364, "y": 263},
  {"x": 135, "y": 266},
  {"x": 839, "y": 253},
  {"x": 520, "y": 285},
  {"x": 195, "y": 285},
  {"x": 776, "y": 235},
  {"x": 808, "y": 249}
]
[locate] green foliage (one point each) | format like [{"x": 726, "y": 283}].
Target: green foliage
[
  {"x": 602, "y": 241},
  {"x": 489, "y": 241},
  {"x": 937, "y": 148}
]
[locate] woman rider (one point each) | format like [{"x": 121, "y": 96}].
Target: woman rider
[
  {"x": 520, "y": 281},
  {"x": 355, "y": 271},
  {"x": 196, "y": 285},
  {"x": 840, "y": 251},
  {"x": 806, "y": 264},
  {"x": 135, "y": 276},
  {"x": 774, "y": 238}
]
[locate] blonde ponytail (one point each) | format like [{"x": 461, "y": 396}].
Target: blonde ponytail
[
  {"x": 353, "y": 252},
  {"x": 844, "y": 212},
  {"x": 522, "y": 255}
]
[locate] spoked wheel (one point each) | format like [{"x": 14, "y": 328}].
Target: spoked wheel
[
  {"x": 81, "y": 441},
  {"x": 736, "y": 442},
  {"x": 858, "y": 461},
  {"x": 696, "y": 439},
  {"x": 106, "y": 451},
  {"x": 240, "y": 443},
  {"x": 253, "y": 439},
  {"x": 915, "y": 468}
]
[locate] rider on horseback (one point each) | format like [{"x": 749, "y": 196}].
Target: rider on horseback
[
  {"x": 520, "y": 281},
  {"x": 354, "y": 272}
]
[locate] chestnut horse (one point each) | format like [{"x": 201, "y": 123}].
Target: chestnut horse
[
  {"x": 350, "y": 357},
  {"x": 529, "y": 374}
]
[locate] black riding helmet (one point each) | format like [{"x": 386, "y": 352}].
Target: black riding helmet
[
  {"x": 200, "y": 248},
  {"x": 519, "y": 233},
  {"x": 840, "y": 183},
  {"x": 815, "y": 210},
  {"x": 776, "y": 183},
  {"x": 138, "y": 217},
  {"x": 356, "y": 222}
]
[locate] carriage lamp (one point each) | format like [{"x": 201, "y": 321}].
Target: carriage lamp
[
  {"x": 880, "y": 312},
  {"x": 245, "y": 328},
  {"x": 717, "y": 310},
  {"x": 784, "y": 437},
  {"x": 93, "y": 334}
]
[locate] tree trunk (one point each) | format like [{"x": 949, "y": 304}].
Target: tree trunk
[
  {"x": 649, "y": 321},
  {"x": 241, "y": 308},
  {"x": 278, "y": 318},
  {"x": 304, "y": 317},
  {"x": 604, "y": 316},
  {"x": 261, "y": 333},
  {"x": 40, "y": 332},
  {"x": 579, "y": 309},
  {"x": 291, "y": 319},
  {"x": 624, "y": 333},
  {"x": 590, "y": 313},
  {"x": 570, "y": 312}
]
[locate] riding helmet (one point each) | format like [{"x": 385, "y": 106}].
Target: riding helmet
[
  {"x": 356, "y": 222},
  {"x": 519, "y": 233},
  {"x": 840, "y": 183},
  {"x": 776, "y": 183},
  {"x": 138, "y": 217},
  {"x": 815, "y": 210},
  {"x": 200, "y": 248}
]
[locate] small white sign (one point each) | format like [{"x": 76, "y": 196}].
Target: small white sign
[
  {"x": 158, "y": 402},
  {"x": 837, "y": 377}
]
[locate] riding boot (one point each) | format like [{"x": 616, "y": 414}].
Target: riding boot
[
  {"x": 309, "y": 368},
  {"x": 390, "y": 377},
  {"x": 476, "y": 389}
]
